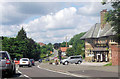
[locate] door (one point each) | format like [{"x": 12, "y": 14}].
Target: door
[{"x": 72, "y": 60}]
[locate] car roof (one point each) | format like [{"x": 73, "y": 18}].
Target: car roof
[
  {"x": 24, "y": 58},
  {"x": 76, "y": 56},
  {"x": 3, "y": 51}
]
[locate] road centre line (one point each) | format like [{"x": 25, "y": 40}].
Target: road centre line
[{"x": 62, "y": 72}]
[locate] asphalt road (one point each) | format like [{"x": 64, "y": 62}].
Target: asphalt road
[{"x": 36, "y": 71}]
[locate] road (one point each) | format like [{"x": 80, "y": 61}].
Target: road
[
  {"x": 55, "y": 53},
  {"x": 36, "y": 71},
  {"x": 46, "y": 70}
]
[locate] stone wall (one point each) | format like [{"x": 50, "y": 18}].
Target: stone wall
[{"x": 115, "y": 54}]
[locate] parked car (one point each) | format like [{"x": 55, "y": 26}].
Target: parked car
[
  {"x": 47, "y": 59},
  {"x": 40, "y": 60},
  {"x": 7, "y": 65},
  {"x": 72, "y": 59},
  {"x": 25, "y": 62},
  {"x": 32, "y": 62}
]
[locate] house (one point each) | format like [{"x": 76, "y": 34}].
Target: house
[
  {"x": 98, "y": 41},
  {"x": 63, "y": 49},
  {"x": 41, "y": 44}
]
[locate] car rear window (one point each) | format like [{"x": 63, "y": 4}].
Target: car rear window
[
  {"x": 3, "y": 56},
  {"x": 24, "y": 59}
]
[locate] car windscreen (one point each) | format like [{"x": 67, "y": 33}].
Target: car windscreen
[
  {"x": 31, "y": 60},
  {"x": 24, "y": 59},
  {"x": 3, "y": 56}
]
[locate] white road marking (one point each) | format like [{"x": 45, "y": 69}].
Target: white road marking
[
  {"x": 70, "y": 74},
  {"x": 24, "y": 75},
  {"x": 19, "y": 72}
]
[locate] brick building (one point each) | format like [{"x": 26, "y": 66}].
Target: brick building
[
  {"x": 98, "y": 41},
  {"x": 115, "y": 54}
]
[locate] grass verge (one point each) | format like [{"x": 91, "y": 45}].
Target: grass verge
[{"x": 109, "y": 64}]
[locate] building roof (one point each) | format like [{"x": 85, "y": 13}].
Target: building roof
[
  {"x": 96, "y": 31},
  {"x": 41, "y": 44},
  {"x": 63, "y": 49}
]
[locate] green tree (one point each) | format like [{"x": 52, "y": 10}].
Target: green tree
[
  {"x": 21, "y": 46},
  {"x": 113, "y": 17},
  {"x": 70, "y": 52},
  {"x": 77, "y": 45},
  {"x": 21, "y": 34}
]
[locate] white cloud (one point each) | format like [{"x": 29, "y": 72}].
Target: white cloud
[
  {"x": 93, "y": 9},
  {"x": 55, "y": 26}
]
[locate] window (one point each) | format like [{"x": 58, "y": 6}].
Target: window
[
  {"x": 3, "y": 56},
  {"x": 24, "y": 59},
  {"x": 75, "y": 57}
]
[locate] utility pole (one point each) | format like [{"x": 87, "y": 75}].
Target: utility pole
[{"x": 66, "y": 41}]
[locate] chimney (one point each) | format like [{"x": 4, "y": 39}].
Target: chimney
[{"x": 102, "y": 13}]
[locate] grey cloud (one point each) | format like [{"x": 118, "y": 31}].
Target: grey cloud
[{"x": 17, "y": 13}]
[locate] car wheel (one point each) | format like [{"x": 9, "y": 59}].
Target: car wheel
[
  {"x": 66, "y": 63},
  {"x": 79, "y": 62}
]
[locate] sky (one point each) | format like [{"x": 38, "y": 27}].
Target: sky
[{"x": 49, "y": 22}]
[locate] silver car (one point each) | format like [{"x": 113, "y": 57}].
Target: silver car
[
  {"x": 72, "y": 59},
  {"x": 7, "y": 66}
]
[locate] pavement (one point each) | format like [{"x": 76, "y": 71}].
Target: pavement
[{"x": 85, "y": 69}]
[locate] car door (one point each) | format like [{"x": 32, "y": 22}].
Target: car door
[{"x": 72, "y": 59}]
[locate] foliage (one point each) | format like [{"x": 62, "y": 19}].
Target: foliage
[
  {"x": 77, "y": 45},
  {"x": 21, "y": 34},
  {"x": 113, "y": 17},
  {"x": 63, "y": 44},
  {"x": 21, "y": 46},
  {"x": 56, "y": 45},
  {"x": 45, "y": 50},
  {"x": 109, "y": 64}
]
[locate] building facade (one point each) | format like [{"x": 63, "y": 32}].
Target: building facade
[{"x": 98, "y": 41}]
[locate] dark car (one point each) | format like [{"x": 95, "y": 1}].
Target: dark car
[
  {"x": 40, "y": 60},
  {"x": 47, "y": 59},
  {"x": 32, "y": 62},
  {"x": 7, "y": 66}
]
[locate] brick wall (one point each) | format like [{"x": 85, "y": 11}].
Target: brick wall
[{"x": 115, "y": 54}]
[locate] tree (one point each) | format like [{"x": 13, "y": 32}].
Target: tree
[
  {"x": 21, "y": 34},
  {"x": 21, "y": 46},
  {"x": 56, "y": 45},
  {"x": 70, "y": 52},
  {"x": 63, "y": 44},
  {"x": 113, "y": 17},
  {"x": 77, "y": 45}
]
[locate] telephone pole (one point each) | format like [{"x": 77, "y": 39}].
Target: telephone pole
[{"x": 66, "y": 41}]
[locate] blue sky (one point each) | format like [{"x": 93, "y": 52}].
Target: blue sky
[{"x": 51, "y": 21}]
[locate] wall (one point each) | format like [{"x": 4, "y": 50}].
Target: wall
[
  {"x": 115, "y": 49},
  {"x": 88, "y": 46}
]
